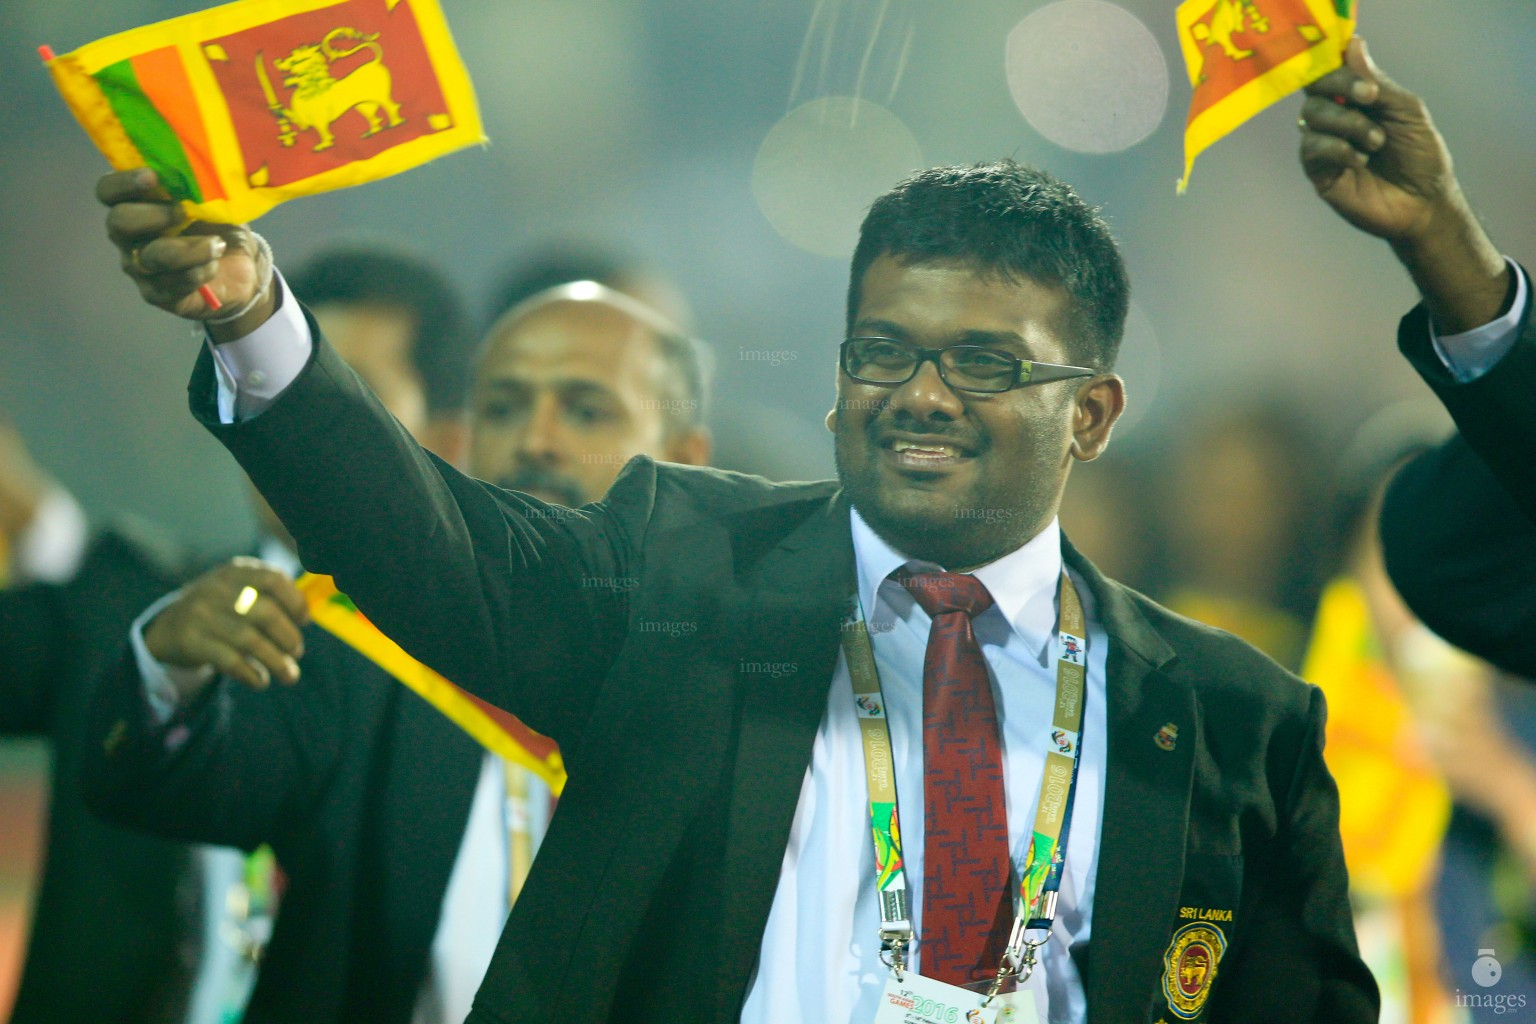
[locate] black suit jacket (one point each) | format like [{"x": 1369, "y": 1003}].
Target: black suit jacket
[
  {"x": 1458, "y": 523},
  {"x": 621, "y": 630},
  {"x": 362, "y": 789},
  {"x": 111, "y": 940}
]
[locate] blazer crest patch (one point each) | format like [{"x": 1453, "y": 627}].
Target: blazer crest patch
[{"x": 1189, "y": 967}]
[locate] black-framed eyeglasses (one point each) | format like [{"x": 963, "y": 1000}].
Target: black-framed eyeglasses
[{"x": 875, "y": 360}]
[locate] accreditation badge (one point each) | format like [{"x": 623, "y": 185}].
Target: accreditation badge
[{"x": 918, "y": 1000}]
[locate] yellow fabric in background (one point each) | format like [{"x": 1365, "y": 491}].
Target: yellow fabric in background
[{"x": 1393, "y": 805}]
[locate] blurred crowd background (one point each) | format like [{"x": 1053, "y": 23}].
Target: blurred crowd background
[{"x": 721, "y": 154}]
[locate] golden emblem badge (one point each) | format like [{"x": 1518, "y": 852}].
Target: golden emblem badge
[
  {"x": 1167, "y": 737},
  {"x": 1189, "y": 968}
]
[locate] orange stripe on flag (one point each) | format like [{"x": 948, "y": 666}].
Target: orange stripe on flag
[{"x": 164, "y": 80}]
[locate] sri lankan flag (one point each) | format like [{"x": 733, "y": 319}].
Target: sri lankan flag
[
  {"x": 496, "y": 730},
  {"x": 244, "y": 106},
  {"x": 1243, "y": 55}
]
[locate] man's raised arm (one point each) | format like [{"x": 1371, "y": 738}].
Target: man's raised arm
[
  {"x": 482, "y": 584},
  {"x": 1459, "y": 523}
]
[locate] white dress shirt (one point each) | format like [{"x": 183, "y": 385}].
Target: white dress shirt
[
  {"x": 1471, "y": 354},
  {"x": 820, "y": 956}
]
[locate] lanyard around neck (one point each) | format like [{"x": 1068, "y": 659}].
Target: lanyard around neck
[{"x": 1040, "y": 878}]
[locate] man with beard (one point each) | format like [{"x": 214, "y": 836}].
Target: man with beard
[
  {"x": 1127, "y": 807},
  {"x": 576, "y": 381},
  {"x": 400, "y": 839}
]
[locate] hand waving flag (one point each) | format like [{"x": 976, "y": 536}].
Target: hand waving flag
[{"x": 244, "y": 106}]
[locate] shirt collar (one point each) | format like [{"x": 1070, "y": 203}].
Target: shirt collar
[{"x": 1023, "y": 582}]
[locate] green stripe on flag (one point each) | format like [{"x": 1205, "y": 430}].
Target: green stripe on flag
[
  {"x": 149, "y": 131},
  {"x": 1346, "y": 8}
]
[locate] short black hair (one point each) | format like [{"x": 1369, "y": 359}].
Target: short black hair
[
  {"x": 1012, "y": 220},
  {"x": 360, "y": 275}
]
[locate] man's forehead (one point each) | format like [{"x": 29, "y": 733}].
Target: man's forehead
[
  {"x": 955, "y": 289},
  {"x": 582, "y": 340}
]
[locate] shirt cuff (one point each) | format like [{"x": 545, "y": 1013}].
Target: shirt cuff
[
  {"x": 52, "y": 546},
  {"x": 254, "y": 370},
  {"x": 159, "y": 679},
  {"x": 1473, "y": 353}
]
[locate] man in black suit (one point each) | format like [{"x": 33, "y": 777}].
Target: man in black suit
[
  {"x": 129, "y": 927},
  {"x": 387, "y": 819},
  {"x": 113, "y": 934},
  {"x": 1459, "y": 523},
  {"x": 712, "y": 856}
]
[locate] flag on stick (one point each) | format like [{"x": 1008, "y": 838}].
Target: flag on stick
[
  {"x": 1243, "y": 55},
  {"x": 501, "y": 733},
  {"x": 244, "y": 106}
]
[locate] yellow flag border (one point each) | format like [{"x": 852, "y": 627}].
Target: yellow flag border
[
  {"x": 1224, "y": 116},
  {"x": 370, "y": 642},
  {"x": 189, "y": 32}
]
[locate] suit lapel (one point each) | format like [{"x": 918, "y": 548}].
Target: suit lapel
[
  {"x": 801, "y": 587},
  {"x": 1146, "y": 807}
]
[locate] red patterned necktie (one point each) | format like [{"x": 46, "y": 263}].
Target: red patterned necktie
[{"x": 966, "y": 873}]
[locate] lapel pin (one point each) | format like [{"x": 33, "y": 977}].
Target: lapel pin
[{"x": 1167, "y": 737}]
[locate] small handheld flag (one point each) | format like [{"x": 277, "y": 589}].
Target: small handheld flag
[
  {"x": 245, "y": 106},
  {"x": 1244, "y": 55},
  {"x": 494, "y": 729}
]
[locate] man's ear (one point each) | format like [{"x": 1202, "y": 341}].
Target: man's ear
[
  {"x": 831, "y": 420},
  {"x": 1098, "y": 405},
  {"x": 691, "y": 448}
]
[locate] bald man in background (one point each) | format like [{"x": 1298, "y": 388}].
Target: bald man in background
[{"x": 392, "y": 825}]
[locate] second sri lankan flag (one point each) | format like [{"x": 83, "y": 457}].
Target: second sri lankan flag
[
  {"x": 1243, "y": 55},
  {"x": 244, "y": 106},
  {"x": 499, "y": 732}
]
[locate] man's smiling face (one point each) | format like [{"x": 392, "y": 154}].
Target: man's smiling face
[{"x": 957, "y": 477}]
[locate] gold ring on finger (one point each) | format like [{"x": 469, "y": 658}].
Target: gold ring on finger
[
  {"x": 1301, "y": 123},
  {"x": 135, "y": 260},
  {"x": 246, "y": 601}
]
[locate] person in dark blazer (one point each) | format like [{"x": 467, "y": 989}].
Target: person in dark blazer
[
  {"x": 123, "y": 924},
  {"x": 1459, "y": 522},
  {"x": 711, "y": 857},
  {"x": 113, "y": 936},
  {"x": 385, "y": 816}
]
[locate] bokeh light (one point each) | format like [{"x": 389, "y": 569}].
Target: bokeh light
[
  {"x": 1088, "y": 75},
  {"x": 819, "y": 168}
]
